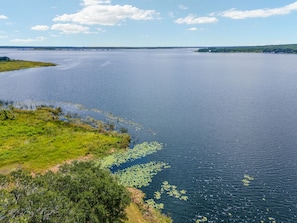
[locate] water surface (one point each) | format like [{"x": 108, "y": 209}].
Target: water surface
[{"x": 219, "y": 116}]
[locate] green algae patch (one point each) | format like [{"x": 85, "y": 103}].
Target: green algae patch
[
  {"x": 11, "y": 65},
  {"x": 247, "y": 180},
  {"x": 37, "y": 140}
]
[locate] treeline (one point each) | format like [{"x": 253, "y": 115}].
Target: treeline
[{"x": 290, "y": 49}]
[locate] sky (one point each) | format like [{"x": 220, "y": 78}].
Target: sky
[{"x": 147, "y": 23}]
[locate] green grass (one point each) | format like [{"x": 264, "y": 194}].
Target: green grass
[
  {"x": 37, "y": 140},
  {"x": 21, "y": 64}
]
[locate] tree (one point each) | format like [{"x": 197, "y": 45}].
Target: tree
[{"x": 79, "y": 192}]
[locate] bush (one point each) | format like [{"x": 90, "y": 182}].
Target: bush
[
  {"x": 6, "y": 114},
  {"x": 79, "y": 192}
]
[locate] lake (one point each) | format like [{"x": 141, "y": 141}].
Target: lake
[{"x": 228, "y": 122}]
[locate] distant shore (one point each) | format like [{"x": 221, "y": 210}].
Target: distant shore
[
  {"x": 10, "y": 65},
  {"x": 274, "y": 49}
]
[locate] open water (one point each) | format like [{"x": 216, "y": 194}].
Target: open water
[{"x": 222, "y": 118}]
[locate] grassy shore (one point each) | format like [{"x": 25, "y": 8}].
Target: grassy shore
[
  {"x": 21, "y": 64},
  {"x": 38, "y": 141}
]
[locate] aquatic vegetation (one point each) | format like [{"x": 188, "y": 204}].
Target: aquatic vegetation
[
  {"x": 113, "y": 119},
  {"x": 169, "y": 190},
  {"x": 152, "y": 203},
  {"x": 248, "y": 177},
  {"x": 139, "y": 151},
  {"x": 172, "y": 191},
  {"x": 270, "y": 220},
  {"x": 140, "y": 175},
  {"x": 201, "y": 219},
  {"x": 247, "y": 180},
  {"x": 157, "y": 195}
]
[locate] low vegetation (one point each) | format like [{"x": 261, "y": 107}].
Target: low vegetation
[
  {"x": 9, "y": 65},
  {"x": 35, "y": 185},
  {"x": 37, "y": 140}
]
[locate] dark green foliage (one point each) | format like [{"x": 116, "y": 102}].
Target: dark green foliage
[
  {"x": 6, "y": 114},
  {"x": 4, "y": 59},
  {"x": 289, "y": 48},
  {"x": 79, "y": 192}
]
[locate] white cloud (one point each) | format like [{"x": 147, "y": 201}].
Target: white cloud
[
  {"x": 40, "y": 28},
  {"x": 95, "y": 2},
  {"x": 192, "y": 29},
  {"x": 37, "y": 39},
  {"x": 95, "y": 14},
  {"x": 183, "y": 7},
  {"x": 240, "y": 14},
  {"x": 68, "y": 28},
  {"x": 191, "y": 19},
  {"x": 3, "y": 17}
]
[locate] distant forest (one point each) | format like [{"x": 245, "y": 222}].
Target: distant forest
[{"x": 288, "y": 48}]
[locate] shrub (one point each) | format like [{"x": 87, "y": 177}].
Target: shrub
[{"x": 79, "y": 192}]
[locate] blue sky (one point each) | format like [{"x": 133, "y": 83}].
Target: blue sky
[{"x": 147, "y": 22}]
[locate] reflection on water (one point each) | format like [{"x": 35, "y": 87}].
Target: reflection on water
[{"x": 228, "y": 122}]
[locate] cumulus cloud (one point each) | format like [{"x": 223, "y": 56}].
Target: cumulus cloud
[
  {"x": 191, "y": 19},
  {"x": 257, "y": 13},
  {"x": 99, "y": 14},
  {"x": 3, "y": 17},
  {"x": 68, "y": 28},
  {"x": 192, "y": 29},
  {"x": 30, "y": 40},
  {"x": 40, "y": 28}
]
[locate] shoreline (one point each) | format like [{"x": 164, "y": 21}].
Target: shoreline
[
  {"x": 270, "y": 49},
  {"x": 41, "y": 129},
  {"x": 11, "y": 65}
]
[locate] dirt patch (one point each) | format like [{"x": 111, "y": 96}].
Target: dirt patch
[{"x": 56, "y": 168}]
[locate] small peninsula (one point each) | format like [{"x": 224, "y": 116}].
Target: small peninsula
[
  {"x": 7, "y": 64},
  {"x": 49, "y": 170},
  {"x": 274, "y": 49}
]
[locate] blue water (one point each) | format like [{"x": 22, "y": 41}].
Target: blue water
[{"x": 219, "y": 116}]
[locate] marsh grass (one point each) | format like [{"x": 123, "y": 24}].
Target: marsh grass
[
  {"x": 21, "y": 64},
  {"x": 37, "y": 140}
]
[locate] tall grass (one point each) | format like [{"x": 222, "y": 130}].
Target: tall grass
[{"x": 37, "y": 140}]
